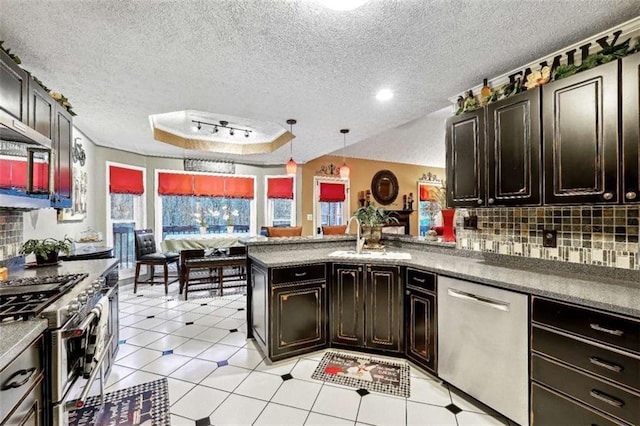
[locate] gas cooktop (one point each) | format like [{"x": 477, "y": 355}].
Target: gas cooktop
[{"x": 24, "y": 298}]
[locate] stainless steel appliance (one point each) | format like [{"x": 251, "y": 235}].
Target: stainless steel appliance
[
  {"x": 68, "y": 303},
  {"x": 483, "y": 343}
]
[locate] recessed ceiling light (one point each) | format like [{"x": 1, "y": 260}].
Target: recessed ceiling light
[
  {"x": 342, "y": 4},
  {"x": 384, "y": 95}
]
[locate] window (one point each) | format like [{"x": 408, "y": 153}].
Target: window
[
  {"x": 190, "y": 203},
  {"x": 281, "y": 207},
  {"x": 331, "y": 205}
]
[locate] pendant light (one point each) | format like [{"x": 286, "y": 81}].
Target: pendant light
[
  {"x": 291, "y": 165},
  {"x": 344, "y": 170}
]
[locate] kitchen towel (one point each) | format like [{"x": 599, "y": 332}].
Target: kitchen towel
[{"x": 97, "y": 336}]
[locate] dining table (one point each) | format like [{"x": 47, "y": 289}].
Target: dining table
[{"x": 183, "y": 242}]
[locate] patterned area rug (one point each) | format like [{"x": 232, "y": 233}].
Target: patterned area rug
[
  {"x": 366, "y": 373},
  {"x": 146, "y": 404}
]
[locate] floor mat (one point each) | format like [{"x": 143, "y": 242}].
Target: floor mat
[
  {"x": 146, "y": 404},
  {"x": 365, "y": 373}
]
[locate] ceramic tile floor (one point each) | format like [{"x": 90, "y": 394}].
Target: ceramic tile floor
[{"x": 216, "y": 376}]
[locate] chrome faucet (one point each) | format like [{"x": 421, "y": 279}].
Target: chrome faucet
[{"x": 359, "y": 239}]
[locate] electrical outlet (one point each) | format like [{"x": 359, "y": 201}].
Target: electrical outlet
[
  {"x": 549, "y": 238},
  {"x": 310, "y": 217},
  {"x": 470, "y": 222}
]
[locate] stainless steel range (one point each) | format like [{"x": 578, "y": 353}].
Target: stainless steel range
[{"x": 73, "y": 306}]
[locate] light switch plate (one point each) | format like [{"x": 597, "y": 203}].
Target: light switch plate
[{"x": 310, "y": 217}]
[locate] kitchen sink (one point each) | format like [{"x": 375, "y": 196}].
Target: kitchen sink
[{"x": 370, "y": 254}]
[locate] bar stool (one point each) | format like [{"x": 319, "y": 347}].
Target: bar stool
[{"x": 147, "y": 254}]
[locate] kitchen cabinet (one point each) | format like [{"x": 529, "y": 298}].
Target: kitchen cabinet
[
  {"x": 465, "y": 156},
  {"x": 631, "y": 128},
  {"x": 42, "y": 109},
  {"x": 366, "y": 306},
  {"x": 14, "y": 87},
  {"x": 420, "y": 318},
  {"x": 580, "y": 137},
  {"x": 289, "y": 309},
  {"x": 62, "y": 174},
  {"x": 585, "y": 364},
  {"x": 299, "y": 311},
  {"x": 21, "y": 396},
  {"x": 513, "y": 150}
]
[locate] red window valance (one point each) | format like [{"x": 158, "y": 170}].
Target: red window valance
[
  {"x": 123, "y": 180},
  {"x": 208, "y": 186},
  {"x": 280, "y": 188},
  {"x": 175, "y": 184},
  {"x": 13, "y": 174},
  {"x": 332, "y": 192},
  {"x": 40, "y": 176},
  {"x": 238, "y": 187}
]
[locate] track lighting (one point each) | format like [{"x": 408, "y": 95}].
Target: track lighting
[{"x": 222, "y": 123}]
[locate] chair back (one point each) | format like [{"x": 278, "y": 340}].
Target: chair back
[
  {"x": 145, "y": 242},
  {"x": 284, "y": 231},
  {"x": 334, "y": 230}
]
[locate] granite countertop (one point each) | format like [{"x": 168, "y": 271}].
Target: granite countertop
[
  {"x": 16, "y": 336},
  {"x": 620, "y": 296}
]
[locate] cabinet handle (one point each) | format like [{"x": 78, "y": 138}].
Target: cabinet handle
[
  {"x": 630, "y": 195},
  {"x": 607, "y": 195},
  {"x": 479, "y": 201},
  {"x": 28, "y": 373},
  {"x": 606, "y": 398},
  {"x": 597, "y": 327},
  {"x": 600, "y": 363},
  {"x": 420, "y": 280},
  {"x": 299, "y": 274},
  {"x": 323, "y": 286},
  {"x": 491, "y": 201},
  {"x": 407, "y": 292}
]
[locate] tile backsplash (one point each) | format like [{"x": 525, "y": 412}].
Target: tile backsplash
[
  {"x": 11, "y": 226},
  {"x": 592, "y": 235}
]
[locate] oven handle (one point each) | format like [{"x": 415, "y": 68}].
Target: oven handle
[
  {"x": 82, "y": 328},
  {"x": 79, "y": 403}
]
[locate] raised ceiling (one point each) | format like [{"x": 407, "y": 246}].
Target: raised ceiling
[{"x": 121, "y": 61}]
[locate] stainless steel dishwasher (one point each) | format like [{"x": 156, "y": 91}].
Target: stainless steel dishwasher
[{"x": 483, "y": 344}]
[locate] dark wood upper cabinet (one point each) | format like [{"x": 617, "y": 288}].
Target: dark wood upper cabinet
[
  {"x": 513, "y": 150},
  {"x": 465, "y": 159},
  {"x": 631, "y": 128},
  {"x": 62, "y": 177},
  {"x": 14, "y": 87},
  {"x": 42, "y": 109},
  {"x": 580, "y": 137}
]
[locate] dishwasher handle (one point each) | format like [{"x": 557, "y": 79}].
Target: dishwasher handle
[{"x": 495, "y": 304}]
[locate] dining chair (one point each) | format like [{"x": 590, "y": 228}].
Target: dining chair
[
  {"x": 284, "y": 231},
  {"x": 147, "y": 254},
  {"x": 334, "y": 230}
]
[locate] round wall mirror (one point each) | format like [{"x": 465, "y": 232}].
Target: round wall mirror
[{"x": 384, "y": 187}]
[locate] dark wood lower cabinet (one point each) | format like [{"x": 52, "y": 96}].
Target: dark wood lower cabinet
[
  {"x": 259, "y": 293},
  {"x": 299, "y": 316},
  {"x": 420, "y": 328},
  {"x": 366, "y": 307}
]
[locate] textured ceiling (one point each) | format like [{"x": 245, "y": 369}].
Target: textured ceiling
[{"x": 120, "y": 61}]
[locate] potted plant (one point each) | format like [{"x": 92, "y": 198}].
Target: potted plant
[
  {"x": 372, "y": 219},
  {"x": 46, "y": 250}
]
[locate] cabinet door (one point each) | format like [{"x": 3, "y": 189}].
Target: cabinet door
[
  {"x": 580, "y": 137},
  {"x": 347, "y": 305},
  {"x": 259, "y": 303},
  {"x": 63, "y": 164},
  {"x": 299, "y": 318},
  {"x": 513, "y": 150},
  {"x": 465, "y": 159},
  {"x": 420, "y": 327},
  {"x": 41, "y": 110},
  {"x": 383, "y": 308},
  {"x": 14, "y": 86},
  {"x": 631, "y": 128}
]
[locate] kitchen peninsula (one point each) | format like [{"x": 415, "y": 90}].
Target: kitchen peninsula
[{"x": 306, "y": 294}]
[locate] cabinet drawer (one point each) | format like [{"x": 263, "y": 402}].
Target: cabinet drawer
[
  {"x": 421, "y": 279},
  {"x": 551, "y": 409},
  {"x": 612, "y": 365},
  {"x": 586, "y": 388},
  {"x": 19, "y": 376},
  {"x": 607, "y": 328},
  {"x": 298, "y": 273}
]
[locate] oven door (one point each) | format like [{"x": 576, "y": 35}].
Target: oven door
[{"x": 67, "y": 359}]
